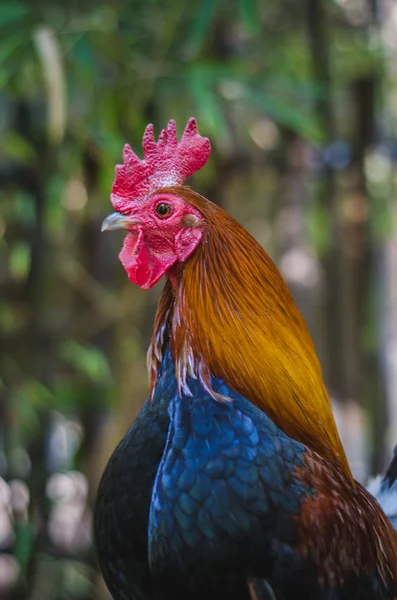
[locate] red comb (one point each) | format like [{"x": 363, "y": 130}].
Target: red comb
[{"x": 165, "y": 163}]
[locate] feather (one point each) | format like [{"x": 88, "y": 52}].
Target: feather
[
  {"x": 384, "y": 489},
  {"x": 233, "y": 315}
]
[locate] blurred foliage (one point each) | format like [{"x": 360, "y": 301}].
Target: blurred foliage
[{"x": 76, "y": 82}]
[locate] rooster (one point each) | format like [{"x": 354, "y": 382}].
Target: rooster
[{"x": 232, "y": 482}]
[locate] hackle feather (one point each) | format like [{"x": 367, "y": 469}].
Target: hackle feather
[{"x": 228, "y": 313}]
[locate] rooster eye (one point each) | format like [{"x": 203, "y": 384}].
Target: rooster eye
[{"x": 163, "y": 210}]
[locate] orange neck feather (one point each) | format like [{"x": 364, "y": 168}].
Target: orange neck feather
[{"x": 230, "y": 314}]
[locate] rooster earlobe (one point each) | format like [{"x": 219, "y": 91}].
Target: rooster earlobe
[{"x": 186, "y": 241}]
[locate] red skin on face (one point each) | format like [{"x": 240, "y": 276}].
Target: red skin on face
[{"x": 154, "y": 245}]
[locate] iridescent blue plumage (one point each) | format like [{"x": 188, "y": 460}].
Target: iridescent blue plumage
[
  {"x": 202, "y": 497},
  {"x": 224, "y": 496}
]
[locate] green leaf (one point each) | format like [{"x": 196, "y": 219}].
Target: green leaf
[
  {"x": 90, "y": 361},
  {"x": 72, "y": 395},
  {"x": 10, "y": 44},
  {"x": 9, "y": 319},
  {"x": 11, "y": 12},
  {"x": 281, "y": 99},
  {"x": 17, "y": 148},
  {"x": 201, "y": 24},
  {"x": 207, "y": 103},
  {"x": 249, "y": 15},
  {"x": 285, "y": 114},
  {"x": 37, "y": 394},
  {"x": 23, "y": 547},
  {"x": 27, "y": 401},
  {"x": 111, "y": 145},
  {"x": 85, "y": 59},
  {"x": 20, "y": 260},
  {"x": 22, "y": 208},
  {"x": 55, "y": 212}
]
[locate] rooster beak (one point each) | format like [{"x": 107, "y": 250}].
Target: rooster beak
[{"x": 118, "y": 221}]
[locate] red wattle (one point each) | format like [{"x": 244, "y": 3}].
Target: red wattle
[{"x": 143, "y": 265}]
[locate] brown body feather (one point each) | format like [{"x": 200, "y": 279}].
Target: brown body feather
[{"x": 343, "y": 530}]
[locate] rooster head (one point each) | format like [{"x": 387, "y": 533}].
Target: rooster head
[{"x": 163, "y": 229}]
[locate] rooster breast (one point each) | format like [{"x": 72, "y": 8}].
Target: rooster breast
[
  {"x": 206, "y": 499},
  {"x": 124, "y": 496}
]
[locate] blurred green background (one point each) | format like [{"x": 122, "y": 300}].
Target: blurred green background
[{"x": 300, "y": 102}]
